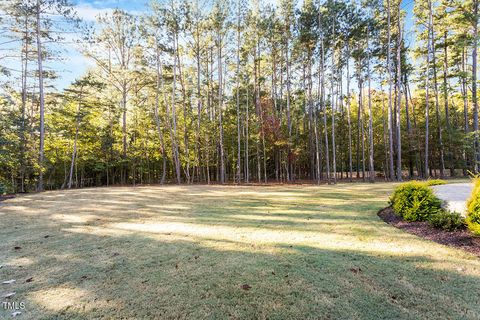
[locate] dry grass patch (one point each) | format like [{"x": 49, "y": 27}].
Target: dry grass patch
[{"x": 226, "y": 252}]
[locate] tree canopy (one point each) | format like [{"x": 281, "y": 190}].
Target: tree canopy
[{"x": 240, "y": 91}]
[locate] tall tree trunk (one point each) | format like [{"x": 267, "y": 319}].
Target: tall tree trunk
[
  {"x": 324, "y": 108},
  {"x": 210, "y": 108},
  {"x": 317, "y": 148},
  {"x": 474, "y": 84},
  {"x": 309, "y": 105},
  {"x": 350, "y": 165},
  {"x": 399, "y": 94},
  {"x": 289, "y": 120},
  {"x": 124, "y": 131},
  {"x": 239, "y": 164},
  {"x": 390, "y": 113},
  {"x": 385, "y": 137},
  {"x": 247, "y": 135},
  {"x": 435, "y": 88},
  {"x": 361, "y": 127},
  {"x": 176, "y": 156},
  {"x": 258, "y": 109},
  {"x": 41, "y": 97},
  {"x": 466, "y": 128},
  {"x": 370, "y": 123},
  {"x": 157, "y": 118},
  {"x": 23, "y": 142},
  {"x": 74, "y": 151},
  {"x": 418, "y": 154},
  {"x": 185, "y": 118},
  {"x": 314, "y": 124},
  {"x": 334, "y": 149},
  {"x": 199, "y": 95},
  {"x": 409, "y": 130},
  {"x": 450, "y": 157},
  {"x": 220, "y": 108},
  {"x": 318, "y": 144},
  {"x": 427, "y": 106}
]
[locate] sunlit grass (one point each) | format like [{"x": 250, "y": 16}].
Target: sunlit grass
[{"x": 185, "y": 252}]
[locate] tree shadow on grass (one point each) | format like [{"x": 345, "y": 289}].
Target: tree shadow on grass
[
  {"x": 96, "y": 206},
  {"x": 164, "y": 254},
  {"x": 134, "y": 276}
]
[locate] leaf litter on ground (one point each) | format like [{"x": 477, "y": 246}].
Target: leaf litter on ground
[
  {"x": 8, "y": 295},
  {"x": 9, "y": 281},
  {"x": 246, "y": 287}
]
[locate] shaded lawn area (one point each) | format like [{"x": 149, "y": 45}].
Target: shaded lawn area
[{"x": 217, "y": 252}]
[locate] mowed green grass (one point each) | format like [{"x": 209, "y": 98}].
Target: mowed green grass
[{"x": 184, "y": 252}]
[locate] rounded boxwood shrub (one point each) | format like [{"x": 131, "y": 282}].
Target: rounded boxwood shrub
[
  {"x": 435, "y": 182},
  {"x": 473, "y": 209},
  {"x": 449, "y": 221},
  {"x": 415, "y": 201}
]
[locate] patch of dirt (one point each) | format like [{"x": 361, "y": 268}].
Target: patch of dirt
[
  {"x": 3, "y": 198},
  {"x": 462, "y": 239},
  {"x": 246, "y": 287}
]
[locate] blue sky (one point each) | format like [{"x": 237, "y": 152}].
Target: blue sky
[{"x": 75, "y": 64}]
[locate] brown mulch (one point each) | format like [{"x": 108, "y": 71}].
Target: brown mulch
[
  {"x": 5, "y": 197},
  {"x": 462, "y": 239}
]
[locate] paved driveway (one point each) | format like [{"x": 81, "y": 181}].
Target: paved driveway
[{"x": 455, "y": 195}]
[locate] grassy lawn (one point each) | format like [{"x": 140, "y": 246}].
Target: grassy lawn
[{"x": 281, "y": 252}]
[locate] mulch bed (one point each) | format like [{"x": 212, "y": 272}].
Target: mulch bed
[
  {"x": 462, "y": 239},
  {"x": 3, "y": 198}
]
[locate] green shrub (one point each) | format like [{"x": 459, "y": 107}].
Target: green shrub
[
  {"x": 435, "y": 182},
  {"x": 3, "y": 189},
  {"x": 415, "y": 201},
  {"x": 449, "y": 221},
  {"x": 473, "y": 208}
]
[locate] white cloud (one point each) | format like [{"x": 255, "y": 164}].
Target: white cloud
[{"x": 88, "y": 13}]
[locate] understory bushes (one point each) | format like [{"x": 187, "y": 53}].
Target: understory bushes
[
  {"x": 5, "y": 187},
  {"x": 449, "y": 221},
  {"x": 435, "y": 182},
  {"x": 416, "y": 201},
  {"x": 473, "y": 208}
]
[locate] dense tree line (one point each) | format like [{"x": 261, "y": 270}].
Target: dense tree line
[{"x": 237, "y": 91}]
